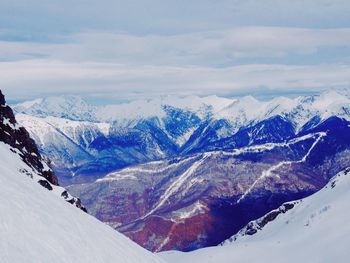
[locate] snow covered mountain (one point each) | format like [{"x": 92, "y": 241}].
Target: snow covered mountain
[
  {"x": 37, "y": 225},
  {"x": 313, "y": 229},
  {"x": 69, "y": 107},
  {"x": 86, "y": 142},
  {"x": 246, "y": 113},
  {"x": 299, "y": 110},
  {"x": 238, "y": 111},
  {"x": 65, "y": 142},
  {"x": 74, "y": 108},
  {"x": 131, "y": 133}
]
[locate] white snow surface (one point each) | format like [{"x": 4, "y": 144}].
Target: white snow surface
[
  {"x": 316, "y": 230},
  {"x": 38, "y": 226}
]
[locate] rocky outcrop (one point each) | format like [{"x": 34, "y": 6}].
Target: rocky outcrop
[
  {"x": 17, "y": 137},
  {"x": 255, "y": 226}
]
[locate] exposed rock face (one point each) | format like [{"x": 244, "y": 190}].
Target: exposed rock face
[{"x": 18, "y": 138}]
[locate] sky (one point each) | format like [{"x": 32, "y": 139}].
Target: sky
[{"x": 112, "y": 50}]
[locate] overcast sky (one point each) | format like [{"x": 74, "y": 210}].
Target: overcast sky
[{"x": 119, "y": 50}]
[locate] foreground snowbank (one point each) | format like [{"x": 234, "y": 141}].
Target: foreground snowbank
[{"x": 37, "y": 226}]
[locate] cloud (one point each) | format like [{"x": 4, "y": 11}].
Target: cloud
[
  {"x": 31, "y": 79},
  {"x": 37, "y": 18},
  {"x": 142, "y": 47},
  {"x": 210, "y": 48}
]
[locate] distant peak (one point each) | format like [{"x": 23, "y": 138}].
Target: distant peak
[
  {"x": 248, "y": 99},
  {"x": 331, "y": 94},
  {"x": 328, "y": 98},
  {"x": 65, "y": 98}
]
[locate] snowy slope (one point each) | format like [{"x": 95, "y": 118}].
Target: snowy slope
[
  {"x": 316, "y": 229},
  {"x": 80, "y": 132},
  {"x": 38, "y": 226}
]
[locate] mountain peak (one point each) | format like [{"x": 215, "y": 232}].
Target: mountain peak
[
  {"x": 67, "y": 106},
  {"x": 328, "y": 98}
]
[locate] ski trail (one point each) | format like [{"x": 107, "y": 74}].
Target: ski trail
[
  {"x": 196, "y": 207},
  {"x": 175, "y": 186},
  {"x": 140, "y": 169},
  {"x": 166, "y": 240},
  {"x": 269, "y": 173},
  {"x": 267, "y": 146}
]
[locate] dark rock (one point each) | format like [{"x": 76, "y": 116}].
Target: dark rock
[
  {"x": 45, "y": 184},
  {"x": 18, "y": 138},
  {"x": 64, "y": 194}
]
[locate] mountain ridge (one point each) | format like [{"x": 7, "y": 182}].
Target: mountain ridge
[{"x": 168, "y": 130}]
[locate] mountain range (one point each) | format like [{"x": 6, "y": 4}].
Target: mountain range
[
  {"x": 85, "y": 142},
  {"x": 190, "y": 172}
]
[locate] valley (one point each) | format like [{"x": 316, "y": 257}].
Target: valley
[{"x": 179, "y": 175}]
